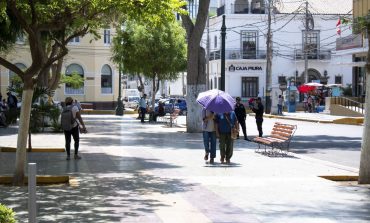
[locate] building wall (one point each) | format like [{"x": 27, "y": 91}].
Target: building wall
[
  {"x": 287, "y": 37},
  {"x": 91, "y": 55},
  {"x": 360, "y": 7}
]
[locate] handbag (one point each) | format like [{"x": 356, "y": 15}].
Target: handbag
[{"x": 234, "y": 130}]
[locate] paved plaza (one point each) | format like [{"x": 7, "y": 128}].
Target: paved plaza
[{"x": 133, "y": 172}]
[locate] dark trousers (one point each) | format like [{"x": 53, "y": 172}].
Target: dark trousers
[
  {"x": 226, "y": 146},
  {"x": 75, "y": 133},
  {"x": 142, "y": 111},
  {"x": 259, "y": 127},
  {"x": 242, "y": 124}
]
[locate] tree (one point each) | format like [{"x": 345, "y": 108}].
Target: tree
[
  {"x": 157, "y": 51},
  {"x": 363, "y": 25},
  {"x": 48, "y": 27},
  {"x": 196, "y": 78}
]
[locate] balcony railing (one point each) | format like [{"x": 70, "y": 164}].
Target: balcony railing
[
  {"x": 237, "y": 54},
  {"x": 313, "y": 55}
]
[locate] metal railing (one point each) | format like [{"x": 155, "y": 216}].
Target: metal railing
[
  {"x": 237, "y": 54},
  {"x": 350, "y": 104},
  {"x": 313, "y": 55}
]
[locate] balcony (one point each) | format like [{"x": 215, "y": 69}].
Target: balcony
[
  {"x": 237, "y": 54},
  {"x": 313, "y": 55}
]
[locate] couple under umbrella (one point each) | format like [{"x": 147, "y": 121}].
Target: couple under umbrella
[{"x": 219, "y": 120}]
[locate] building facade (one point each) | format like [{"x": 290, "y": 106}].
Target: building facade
[{"x": 245, "y": 62}]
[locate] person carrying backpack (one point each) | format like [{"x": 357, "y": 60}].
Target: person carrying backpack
[{"x": 71, "y": 127}]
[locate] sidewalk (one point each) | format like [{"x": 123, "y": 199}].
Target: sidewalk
[{"x": 133, "y": 172}]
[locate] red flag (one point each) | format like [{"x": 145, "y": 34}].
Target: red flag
[{"x": 339, "y": 31}]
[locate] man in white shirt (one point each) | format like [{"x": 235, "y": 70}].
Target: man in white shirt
[{"x": 142, "y": 107}]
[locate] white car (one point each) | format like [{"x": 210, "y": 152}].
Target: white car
[{"x": 131, "y": 101}]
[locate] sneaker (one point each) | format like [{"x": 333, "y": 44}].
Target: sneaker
[
  {"x": 206, "y": 156},
  {"x": 68, "y": 158},
  {"x": 77, "y": 157}
]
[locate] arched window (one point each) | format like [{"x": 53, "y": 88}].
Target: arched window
[
  {"x": 106, "y": 80},
  {"x": 12, "y": 74},
  {"x": 74, "y": 69}
]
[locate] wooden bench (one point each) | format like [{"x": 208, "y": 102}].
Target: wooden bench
[{"x": 278, "y": 141}]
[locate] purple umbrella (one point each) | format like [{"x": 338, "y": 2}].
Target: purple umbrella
[{"x": 216, "y": 101}]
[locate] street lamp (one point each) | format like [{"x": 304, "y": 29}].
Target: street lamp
[{"x": 120, "y": 106}]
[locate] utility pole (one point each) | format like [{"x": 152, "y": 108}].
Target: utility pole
[
  {"x": 306, "y": 47},
  {"x": 268, "y": 62},
  {"x": 207, "y": 58},
  {"x": 223, "y": 36}
]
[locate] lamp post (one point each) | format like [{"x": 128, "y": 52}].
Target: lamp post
[
  {"x": 223, "y": 36},
  {"x": 120, "y": 106}
]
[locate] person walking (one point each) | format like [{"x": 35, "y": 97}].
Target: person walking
[
  {"x": 142, "y": 107},
  {"x": 71, "y": 119},
  {"x": 259, "y": 109},
  {"x": 241, "y": 116},
  {"x": 280, "y": 105},
  {"x": 224, "y": 124},
  {"x": 209, "y": 135}
]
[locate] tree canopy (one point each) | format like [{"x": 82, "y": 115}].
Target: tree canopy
[{"x": 157, "y": 52}]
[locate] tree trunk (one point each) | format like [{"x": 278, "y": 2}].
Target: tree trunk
[
  {"x": 196, "y": 78},
  {"x": 364, "y": 176},
  {"x": 194, "y": 87},
  {"x": 24, "y": 122},
  {"x": 154, "y": 91}
]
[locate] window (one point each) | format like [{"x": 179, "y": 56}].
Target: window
[
  {"x": 249, "y": 86},
  {"x": 215, "y": 43},
  {"x": 338, "y": 79},
  {"x": 106, "y": 80},
  {"x": 74, "y": 69},
  {"x": 312, "y": 45},
  {"x": 258, "y": 7},
  {"x": 249, "y": 44},
  {"x": 107, "y": 36},
  {"x": 241, "y": 6},
  {"x": 75, "y": 40},
  {"x": 12, "y": 74}
]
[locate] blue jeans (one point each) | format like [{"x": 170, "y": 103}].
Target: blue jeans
[
  {"x": 210, "y": 138},
  {"x": 280, "y": 109}
]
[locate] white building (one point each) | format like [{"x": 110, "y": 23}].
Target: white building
[{"x": 246, "y": 23}]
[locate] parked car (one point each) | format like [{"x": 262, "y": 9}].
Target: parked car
[
  {"x": 131, "y": 102},
  {"x": 173, "y": 103}
]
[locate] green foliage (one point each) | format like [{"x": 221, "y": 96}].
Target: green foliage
[
  {"x": 75, "y": 80},
  {"x": 361, "y": 24},
  {"x": 347, "y": 91},
  {"x": 6, "y": 214},
  {"x": 154, "y": 51}
]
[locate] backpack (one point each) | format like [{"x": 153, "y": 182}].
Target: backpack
[{"x": 67, "y": 119}]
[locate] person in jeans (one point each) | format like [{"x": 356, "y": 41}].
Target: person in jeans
[
  {"x": 209, "y": 135},
  {"x": 259, "y": 109},
  {"x": 142, "y": 107},
  {"x": 75, "y": 131},
  {"x": 224, "y": 123}
]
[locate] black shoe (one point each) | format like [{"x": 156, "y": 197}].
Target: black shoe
[
  {"x": 227, "y": 161},
  {"x": 206, "y": 156},
  {"x": 246, "y": 138},
  {"x": 212, "y": 161}
]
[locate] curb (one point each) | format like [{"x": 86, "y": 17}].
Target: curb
[
  {"x": 341, "y": 178},
  {"x": 34, "y": 150},
  {"x": 40, "y": 179}
]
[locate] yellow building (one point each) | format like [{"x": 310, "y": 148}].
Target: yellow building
[
  {"x": 90, "y": 59},
  {"x": 360, "y": 7}
]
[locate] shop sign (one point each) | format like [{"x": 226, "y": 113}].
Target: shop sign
[
  {"x": 349, "y": 42},
  {"x": 233, "y": 68}
]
